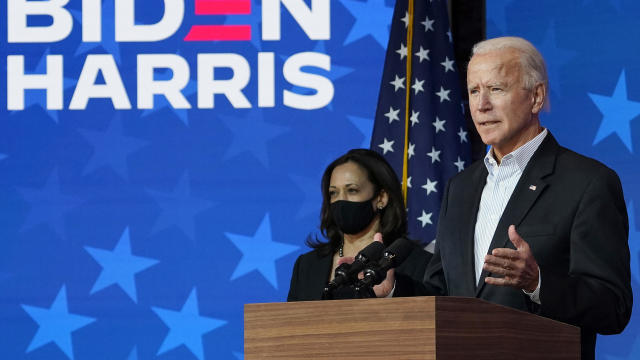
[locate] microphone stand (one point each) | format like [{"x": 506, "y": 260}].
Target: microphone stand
[{"x": 327, "y": 293}]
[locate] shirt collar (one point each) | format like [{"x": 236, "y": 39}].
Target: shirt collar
[{"x": 521, "y": 155}]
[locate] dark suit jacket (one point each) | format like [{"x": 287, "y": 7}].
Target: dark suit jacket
[
  {"x": 312, "y": 270},
  {"x": 571, "y": 211}
]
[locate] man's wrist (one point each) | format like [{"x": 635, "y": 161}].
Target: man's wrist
[{"x": 535, "y": 294}]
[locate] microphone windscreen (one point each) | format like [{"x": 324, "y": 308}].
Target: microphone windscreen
[
  {"x": 401, "y": 248},
  {"x": 372, "y": 252}
]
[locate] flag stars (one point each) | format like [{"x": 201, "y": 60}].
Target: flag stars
[
  {"x": 449, "y": 35},
  {"x": 392, "y": 114},
  {"x": 414, "y": 117},
  {"x": 405, "y": 19},
  {"x": 428, "y": 24},
  {"x": 386, "y": 146},
  {"x": 448, "y": 64},
  {"x": 459, "y": 164},
  {"x": 443, "y": 94},
  {"x": 430, "y": 186},
  {"x": 425, "y": 218},
  {"x": 417, "y": 86},
  {"x": 423, "y": 54},
  {"x": 439, "y": 124},
  {"x": 434, "y": 154},
  {"x": 398, "y": 83},
  {"x": 463, "y": 135},
  {"x": 402, "y": 51},
  {"x": 432, "y": 57}
]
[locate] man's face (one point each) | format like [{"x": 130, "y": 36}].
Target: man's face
[{"x": 503, "y": 111}]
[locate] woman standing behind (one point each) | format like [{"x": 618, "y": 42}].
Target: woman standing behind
[{"x": 361, "y": 200}]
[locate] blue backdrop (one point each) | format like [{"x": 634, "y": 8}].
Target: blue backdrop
[{"x": 137, "y": 229}]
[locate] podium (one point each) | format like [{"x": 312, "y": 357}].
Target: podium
[{"x": 427, "y": 327}]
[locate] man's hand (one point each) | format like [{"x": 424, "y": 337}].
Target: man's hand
[{"x": 518, "y": 267}]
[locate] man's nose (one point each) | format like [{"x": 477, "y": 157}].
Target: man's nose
[{"x": 484, "y": 102}]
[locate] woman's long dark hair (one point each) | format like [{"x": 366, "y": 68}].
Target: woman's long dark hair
[{"x": 393, "y": 218}]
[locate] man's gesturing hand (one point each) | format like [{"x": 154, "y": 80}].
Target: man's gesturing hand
[{"x": 518, "y": 267}]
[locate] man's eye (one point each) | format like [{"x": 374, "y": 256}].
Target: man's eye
[
  {"x": 496, "y": 89},
  {"x": 353, "y": 191},
  {"x": 332, "y": 193}
]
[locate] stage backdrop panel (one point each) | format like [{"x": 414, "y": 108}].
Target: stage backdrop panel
[
  {"x": 160, "y": 159},
  {"x": 160, "y": 164}
]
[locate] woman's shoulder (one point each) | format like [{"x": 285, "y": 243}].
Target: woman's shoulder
[{"x": 313, "y": 256}]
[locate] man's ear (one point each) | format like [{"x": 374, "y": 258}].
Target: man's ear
[{"x": 539, "y": 94}]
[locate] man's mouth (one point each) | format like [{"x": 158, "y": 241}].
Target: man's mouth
[{"x": 488, "y": 123}]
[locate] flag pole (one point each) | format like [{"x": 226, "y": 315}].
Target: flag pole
[{"x": 405, "y": 155}]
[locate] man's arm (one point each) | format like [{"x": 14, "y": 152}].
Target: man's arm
[{"x": 596, "y": 293}]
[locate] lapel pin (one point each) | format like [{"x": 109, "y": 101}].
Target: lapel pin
[{"x": 532, "y": 187}]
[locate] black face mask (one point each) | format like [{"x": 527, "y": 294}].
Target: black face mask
[{"x": 352, "y": 216}]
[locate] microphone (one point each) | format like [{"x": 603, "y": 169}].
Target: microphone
[
  {"x": 346, "y": 273},
  {"x": 392, "y": 257}
]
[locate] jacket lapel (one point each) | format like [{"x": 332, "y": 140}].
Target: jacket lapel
[
  {"x": 320, "y": 278},
  {"x": 470, "y": 211},
  {"x": 525, "y": 194}
]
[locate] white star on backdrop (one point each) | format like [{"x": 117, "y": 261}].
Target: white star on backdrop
[
  {"x": 428, "y": 24},
  {"x": 417, "y": 86},
  {"x": 439, "y": 124},
  {"x": 423, "y": 54},
  {"x": 443, "y": 94},
  {"x": 397, "y": 83},
  {"x": 405, "y": 19},
  {"x": 402, "y": 51},
  {"x": 414, "y": 117},
  {"x": 448, "y": 64},
  {"x": 463, "y": 135},
  {"x": 392, "y": 115},
  {"x": 430, "y": 186},
  {"x": 386, "y": 146},
  {"x": 434, "y": 155},
  {"x": 425, "y": 218},
  {"x": 459, "y": 164}
]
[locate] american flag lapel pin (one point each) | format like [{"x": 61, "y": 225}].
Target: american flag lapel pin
[{"x": 532, "y": 187}]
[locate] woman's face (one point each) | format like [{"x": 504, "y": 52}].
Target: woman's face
[{"x": 349, "y": 181}]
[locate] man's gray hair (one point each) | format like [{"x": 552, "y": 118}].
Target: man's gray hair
[{"x": 533, "y": 66}]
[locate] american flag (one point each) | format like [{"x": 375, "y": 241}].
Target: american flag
[{"x": 420, "y": 93}]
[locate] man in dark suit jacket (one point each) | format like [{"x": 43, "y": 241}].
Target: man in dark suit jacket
[{"x": 534, "y": 226}]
